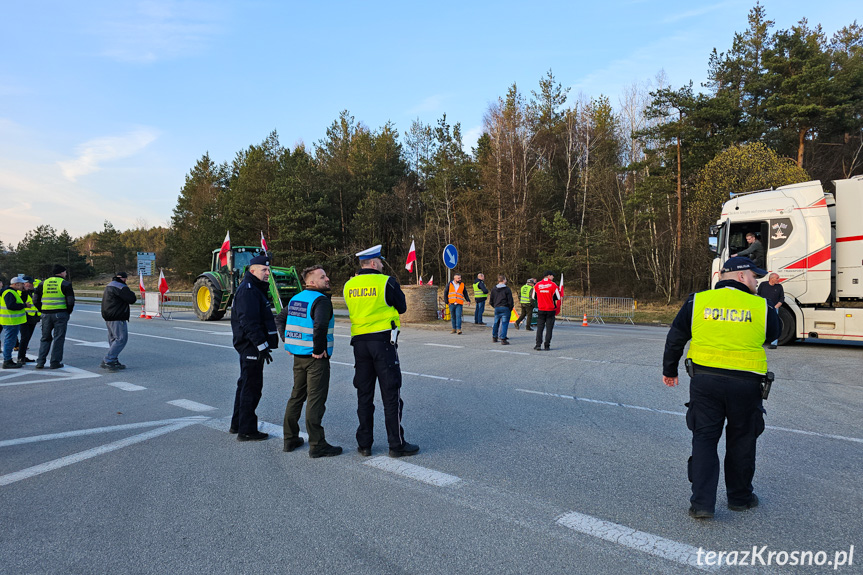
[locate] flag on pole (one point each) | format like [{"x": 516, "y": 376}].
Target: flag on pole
[
  {"x": 264, "y": 244},
  {"x": 412, "y": 257},
  {"x": 420, "y": 281},
  {"x": 163, "y": 285},
  {"x": 559, "y": 303},
  {"x": 226, "y": 248},
  {"x": 430, "y": 281},
  {"x": 141, "y": 284}
]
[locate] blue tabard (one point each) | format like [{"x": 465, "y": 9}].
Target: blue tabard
[{"x": 300, "y": 327}]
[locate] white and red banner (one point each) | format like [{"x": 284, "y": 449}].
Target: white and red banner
[
  {"x": 431, "y": 279},
  {"x": 163, "y": 285},
  {"x": 264, "y": 244},
  {"x": 141, "y": 284},
  {"x": 226, "y": 248},
  {"x": 412, "y": 258},
  {"x": 559, "y": 303}
]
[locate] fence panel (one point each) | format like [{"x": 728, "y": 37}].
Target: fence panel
[{"x": 597, "y": 309}]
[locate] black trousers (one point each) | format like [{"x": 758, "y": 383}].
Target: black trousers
[
  {"x": 312, "y": 382},
  {"x": 248, "y": 394},
  {"x": 24, "y": 339},
  {"x": 524, "y": 316},
  {"x": 544, "y": 321},
  {"x": 713, "y": 401},
  {"x": 378, "y": 360}
]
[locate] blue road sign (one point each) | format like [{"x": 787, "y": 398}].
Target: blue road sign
[{"x": 450, "y": 256}]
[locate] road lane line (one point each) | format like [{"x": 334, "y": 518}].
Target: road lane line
[
  {"x": 585, "y": 360},
  {"x": 444, "y": 345},
  {"x": 683, "y": 414},
  {"x": 191, "y": 405},
  {"x": 412, "y": 471},
  {"x": 210, "y": 331},
  {"x": 507, "y": 351},
  {"x": 634, "y": 539},
  {"x": 125, "y": 386},
  {"x": 95, "y": 430},
  {"x": 158, "y": 337},
  {"x": 90, "y": 453},
  {"x": 67, "y": 373},
  {"x": 440, "y": 377},
  {"x": 265, "y": 426}
]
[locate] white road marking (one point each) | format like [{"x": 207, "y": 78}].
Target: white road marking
[
  {"x": 191, "y": 405},
  {"x": 444, "y": 345},
  {"x": 440, "y": 377},
  {"x": 95, "y": 430},
  {"x": 90, "y": 453},
  {"x": 342, "y": 363},
  {"x": 159, "y": 337},
  {"x": 412, "y": 471},
  {"x": 211, "y": 332},
  {"x": 67, "y": 373},
  {"x": 507, "y": 351},
  {"x": 683, "y": 414},
  {"x": 88, "y": 311},
  {"x": 341, "y": 335},
  {"x": 585, "y": 360},
  {"x": 634, "y": 539},
  {"x": 265, "y": 426},
  {"x": 125, "y": 386},
  {"x": 89, "y": 343}
]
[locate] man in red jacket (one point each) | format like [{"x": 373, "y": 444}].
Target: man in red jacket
[{"x": 547, "y": 294}]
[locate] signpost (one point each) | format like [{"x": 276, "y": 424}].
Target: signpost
[
  {"x": 146, "y": 262},
  {"x": 450, "y": 259}
]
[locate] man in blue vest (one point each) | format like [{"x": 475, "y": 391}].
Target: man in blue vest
[
  {"x": 728, "y": 326},
  {"x": 307, "y": 323},
  {"x": 255, "y": 335}
]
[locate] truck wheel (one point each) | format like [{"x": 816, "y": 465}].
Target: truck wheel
[
  {"x": 206, "y": 299},
  {"x": 788, "y": 333}
]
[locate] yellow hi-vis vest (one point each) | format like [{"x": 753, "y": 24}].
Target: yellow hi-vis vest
[
  {"x": 31, "y": 308},
  {"x": 52, "y": 296},
  {"x": 525, "y": 294},
  {"x": 728, "y": 330},
  {"x": 7, "y": 316},
  {"x": 477, "y": 293},
  {"x": 365, "y": 296}
]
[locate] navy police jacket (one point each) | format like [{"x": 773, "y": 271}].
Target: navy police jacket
[{"x": 252, "y": 319}]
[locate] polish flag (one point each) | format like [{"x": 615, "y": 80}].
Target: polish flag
[
  {"x": 264, "y": 244},
  {"x": 163, "y": 285},
  {"x": 421, "y": 281},
  {"x": 141, "y": 284},
  {"x": 412, "y": 257},
  {"x": 559, "y": 303},
  {"x": 226, "y": 248},
  {"x": 430, "y": 281}
]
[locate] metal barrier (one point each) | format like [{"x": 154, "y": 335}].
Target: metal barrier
[
  {"x": 597, "y": 309},
  {"x": 173, "y": 301}
]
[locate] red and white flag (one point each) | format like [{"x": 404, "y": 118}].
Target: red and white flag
[
  {"x": 226, "y": 248},
  {"x": 430, "y": 281},
  {"x": 264, "y": 244},
  {"x": 420, "y": 281},
  {"x": 141, "y": 284},
  {"x": 163, "y": 285},
  {"x": 412, "y": 257},
  {"x": 559, "y": 303}
]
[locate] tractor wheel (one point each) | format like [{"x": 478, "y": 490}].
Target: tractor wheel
[
  {"x": 206, "y": 298},
  {"x": 788, "y": 332}
]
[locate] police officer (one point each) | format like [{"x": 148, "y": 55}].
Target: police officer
[
  {"x": 307, "y": 323},
  {"x": 526, "y": 298},
  {"x": 480, "y": 296},
  {"x": 55, "y": 298},
  {"x": 374, "y": 302},
  {"x": 254, "y": 336},
  {"x": 33, "y": 317},
  {"x": 12, "y": 317},
  {"x": 728, "y": 326}
]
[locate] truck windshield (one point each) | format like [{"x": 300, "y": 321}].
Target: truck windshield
[{"x": 242, "y": 259}]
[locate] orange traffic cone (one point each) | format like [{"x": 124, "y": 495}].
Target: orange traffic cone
[{"x": 584, "y": 321}]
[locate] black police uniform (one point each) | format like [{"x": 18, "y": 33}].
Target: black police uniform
[
  {"x": 376, "y": 358},
  {"x": 717, "y": 395},
  {"x": 255, "y": 335}
]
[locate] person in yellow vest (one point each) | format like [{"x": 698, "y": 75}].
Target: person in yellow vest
[
  {"x": 374, "y": 303},
  {"x": 729, "y": 327},
  {"x": 55, "y": 298},
  {"x": 12, "y": 317},
  {"x": 527, "y": 299},
  {"x": 456, "y": 297},
  {"x": 33, "y": 317},
  {"x": 480, "y": 296}
]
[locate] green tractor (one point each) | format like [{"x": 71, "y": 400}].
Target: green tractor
[{"x": 214, "y": 290}]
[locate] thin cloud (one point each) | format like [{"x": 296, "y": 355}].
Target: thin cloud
[
  {"x": 470, "y": 137},
  {"x": 431, "y": 104},
  {"x": 697, "y": 12},
  {"x": 95, "y": 152},
  {"x": 160, "y": 30}
]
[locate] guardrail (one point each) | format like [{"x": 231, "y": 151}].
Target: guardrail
[{"x": 597, "y": 309}]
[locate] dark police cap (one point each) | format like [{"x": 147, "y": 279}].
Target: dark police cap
[
  {"x": 123, "y": 275},
  {"x": 27, "y": 279},
  {"x": 741, "y": 263},
  {"x": 260, "y": 260}
]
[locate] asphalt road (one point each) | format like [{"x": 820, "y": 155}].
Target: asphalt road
[{"x": 569, "y": 461}]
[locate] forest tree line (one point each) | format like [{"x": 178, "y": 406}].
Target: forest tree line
[{"x": 617, "y": 196}]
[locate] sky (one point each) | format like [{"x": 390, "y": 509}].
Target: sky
[{"x": 105, "y": 106}]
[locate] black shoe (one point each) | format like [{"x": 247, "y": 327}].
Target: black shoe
[
  {"x": 293, "y": 443},
  {"x": 103, "y": 365},
  {"x": 504, "y": 341},
  {"x": 254, "y": 436},
  {"x": 112, "y": 368},
  {"x": 11, "y": 365},
  {"x": 364, "y": 451},
  {"x": 700, "y": 513},
  {"x": 547, "y": 348},
  {"x": 753, "y": 502},
  {"x": 517, "y": 327},
  {"x": 55, "y": 366},
  {"x": 23, "y": 360},
  {"x": 529, "y": 328},
  {"x": 39, "y": 366},
  {"x": 324, "y": 449},
  {"x": 771, "y": 346},
  {"x": 405, "y": 450},
  {"x": 232, "y": 430},
  {"x": 494, "y": 340},
  {"x": 117, "y": 365},
  {"x": 537, "y": 348}
]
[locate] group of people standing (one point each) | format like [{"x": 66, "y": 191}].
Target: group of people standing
[
  {"x": 543, "y": 295},
  {"x": 375, "y": 302}
]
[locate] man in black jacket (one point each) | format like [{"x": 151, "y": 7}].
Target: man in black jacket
[
  {"x": 254, "y": 336},
  {"x": 115, "y": 311},
  {"x": 502, "y": 302}
]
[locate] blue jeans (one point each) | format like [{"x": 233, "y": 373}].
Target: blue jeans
[
  {"x": 480, "y": 307},
  {"x": 501, "y": 322},
  {"x": 455, "y": 310},
  {"x": 118, "y": 336},
  {"x": 10, "y": 336},
  {"x": 53, "y": 330}
]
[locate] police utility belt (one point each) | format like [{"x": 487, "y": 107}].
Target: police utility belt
[{"x": 765, "y": 380}]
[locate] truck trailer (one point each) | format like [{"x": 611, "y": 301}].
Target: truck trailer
[{"x": 814, "y": 240}]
